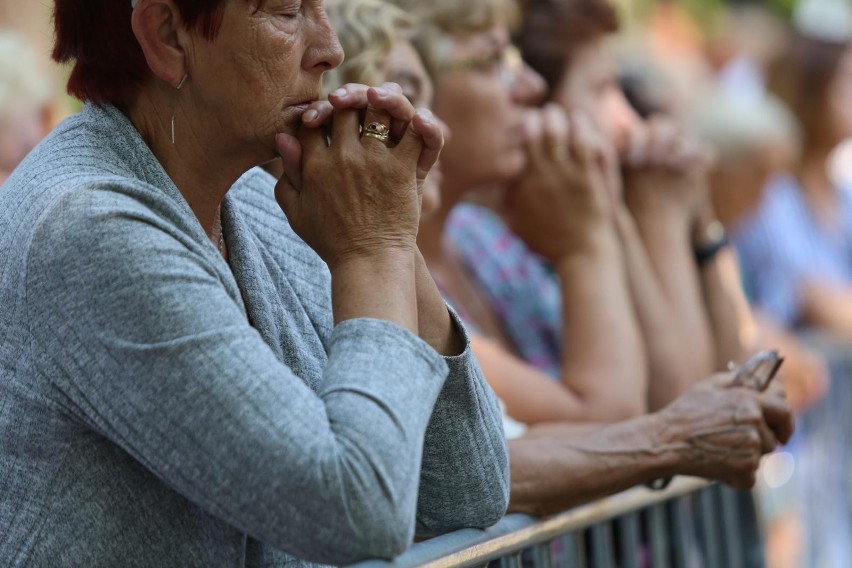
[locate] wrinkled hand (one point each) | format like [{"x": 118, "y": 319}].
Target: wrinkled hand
[
  {"x": 567, "y": 190},
  {"x": 346, "y": 194},
  {"x": 666, "y": 169},
  {"x": 402, "y": 114},
  {"x": 725, "y": 430}
]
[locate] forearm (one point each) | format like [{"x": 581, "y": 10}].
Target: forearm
[
  {"x": 561, "y": 466},
  {"x": 665, "y": 234},
  {"x": 464, "y": 480},
  {"x": 603, "y": 357},
  {"x": 530, "y": 395},
  {"x": 669, "y": 363},
  {"x": 379, "y": 286},
  {"x": 827, "y": 307},
  {"x": 436, "y": 327},
  {"x": 732, "y": 324}
]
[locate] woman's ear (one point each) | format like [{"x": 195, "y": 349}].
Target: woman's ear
[{"x": 158, "y": 27}]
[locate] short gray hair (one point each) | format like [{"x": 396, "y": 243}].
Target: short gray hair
[{"x": 739, "y": 126}]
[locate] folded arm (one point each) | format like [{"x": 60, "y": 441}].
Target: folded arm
[
  {"x": 155, "y": 352},
  {"x": 465, "y": 472}
]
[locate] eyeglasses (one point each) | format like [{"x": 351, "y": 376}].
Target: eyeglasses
[
  {"x": 758, "y": 371},
  {"x": 506, "y": 61}
]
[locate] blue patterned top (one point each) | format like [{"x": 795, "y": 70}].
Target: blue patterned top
[
  {"x": 520, "y": 285},
  {"x": 784, "y": 244}
]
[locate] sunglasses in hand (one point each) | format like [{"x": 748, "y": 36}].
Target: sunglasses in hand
[{"x": 758, "y": 371}]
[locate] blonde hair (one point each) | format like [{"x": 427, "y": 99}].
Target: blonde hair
[
  {"x": 367, "y": 30},
  {"x": 453, "y": 17},
  {"x": 440, "y": 20},
  {"x": 23, "y": 84}
]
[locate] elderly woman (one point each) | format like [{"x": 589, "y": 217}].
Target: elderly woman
[
  {"x": 557, "y": 465},
  {"x": 185, "y": 381}
]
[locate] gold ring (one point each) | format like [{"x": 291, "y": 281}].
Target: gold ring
[{"x": 378, "y": 131}]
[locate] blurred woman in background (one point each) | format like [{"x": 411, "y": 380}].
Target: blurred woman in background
[
  {"x": 796, "y": 252},
  {"x": 555, "y": 466},
  {"x": 796, "y": 248},
  {"x": 488, "y": 96}
]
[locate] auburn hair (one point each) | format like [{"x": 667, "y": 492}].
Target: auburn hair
[
  {"x": 554, "y": 30},
  {"x": 802, "y": 78},
  {"x": 95, "y": 36}
]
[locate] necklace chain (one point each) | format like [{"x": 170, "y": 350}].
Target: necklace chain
[{"x": 217, "y": 228}]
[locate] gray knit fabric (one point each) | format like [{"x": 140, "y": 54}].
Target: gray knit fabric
[{"x": 160, "y": 408}]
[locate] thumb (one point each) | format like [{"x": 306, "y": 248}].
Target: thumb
[
  {"x": 291, "y": 158},
  {"x": 287, "y": 190},
  {"x": 423, "y": 141}
]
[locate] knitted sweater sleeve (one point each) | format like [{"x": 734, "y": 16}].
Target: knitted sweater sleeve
[{"x": 148, "y": 344}]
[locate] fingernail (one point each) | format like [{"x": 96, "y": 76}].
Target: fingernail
[
  {"x": 310, "y": 115},
  {"x": 341, "y": 92},
  {"x": 381, "y": 91},
  {"x": 427, "y": 115}
]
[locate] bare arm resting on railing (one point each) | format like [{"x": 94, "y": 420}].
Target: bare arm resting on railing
[
  {"x": 712, "y": 431},
  {"x": 560, "y": 209}
]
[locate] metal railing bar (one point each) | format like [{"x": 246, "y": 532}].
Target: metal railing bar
[
  {"x": 629, "y": 540},
  {"x": 659, "y": 536},
  {"x": 569, "y": 551},
  {"x": 732, "y": 544},
  {"x": 582, "y": 550},
  {"x": 603, "y": 546},
  {"x": 682, "y": 530},
  {"x": 752, "y": 537},
  {"x": 512, "y": 561},
  {"x": 709, "y": 516},
  {"x": 542, "y": 555},
  {"x": 472, "y": 547}
]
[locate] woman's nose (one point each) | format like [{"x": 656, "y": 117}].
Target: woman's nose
[
  {"x": 324, "y": 50},
  {"x": 529, "y": 88}
]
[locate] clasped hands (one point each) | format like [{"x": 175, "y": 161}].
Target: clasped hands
[
  {"x": 569, "y": 186},
  {"x": 577, "y": 181},
  {"x": 347, "y": 194}
]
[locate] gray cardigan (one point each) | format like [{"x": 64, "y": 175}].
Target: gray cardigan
[{"x": 160, "y": 408}]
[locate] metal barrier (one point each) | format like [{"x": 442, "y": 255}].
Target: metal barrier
[
  {"x": 691, "y": 524},
  {"x": 821, "y": 490}
]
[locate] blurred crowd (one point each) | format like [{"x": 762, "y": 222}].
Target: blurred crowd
[{"x": 632, "y": 198}]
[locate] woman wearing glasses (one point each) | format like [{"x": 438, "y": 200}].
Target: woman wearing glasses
[
  {"x": 486, "y": 94},
  {"x": 185, "y": 381},
  {"x": 713, "y": 431}
]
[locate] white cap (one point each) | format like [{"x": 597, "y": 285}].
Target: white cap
[{"x": 827, "y": 20}]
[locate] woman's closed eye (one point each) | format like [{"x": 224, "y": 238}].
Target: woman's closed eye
[{"x": 284, "y": 8}]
